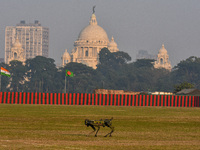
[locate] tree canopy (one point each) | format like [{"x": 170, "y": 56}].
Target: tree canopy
[
  {"x": 184, "y": 85},
  {"x": 114, "y": 71}
]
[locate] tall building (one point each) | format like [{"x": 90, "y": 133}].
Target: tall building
[
  {"x": 33, "y": 38},
  {"x": 88, "y": 45},
  {"x": 163, "y": 59},
  {"x": 143, "y": 54}
]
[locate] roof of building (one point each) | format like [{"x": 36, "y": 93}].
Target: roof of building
[
  {"x": 17, "y": 43},
  {"x": 112, "y": 43},
  {"x": 93, "y": 32},
  {"x": 189, "y": 92},
  {"x": 66, "y": 54},
  {"x": 163, "y": 50}
]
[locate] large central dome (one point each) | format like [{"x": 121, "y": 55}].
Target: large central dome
[
  {"x": 88, "y": 45},
  {"x": 93, "y": 32}
]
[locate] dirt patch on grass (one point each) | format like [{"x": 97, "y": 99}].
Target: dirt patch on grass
[{"x": 88, "y": 143}]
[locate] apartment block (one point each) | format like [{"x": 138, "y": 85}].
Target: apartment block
[{"x": 33, "y": 37}]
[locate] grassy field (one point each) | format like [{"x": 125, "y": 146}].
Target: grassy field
[{"x": 62, "y": 127}]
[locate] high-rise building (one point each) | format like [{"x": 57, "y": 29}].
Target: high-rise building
[
  {"x": 33, "y": 37},
  {"x": 143, "y": 54}
]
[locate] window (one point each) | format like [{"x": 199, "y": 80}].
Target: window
[
  {"x": 15, "y": 55},
  {"x": 161, "y": 60},
  {"x": 65, "y": 61},
  {"x": 86, "y": 53}
]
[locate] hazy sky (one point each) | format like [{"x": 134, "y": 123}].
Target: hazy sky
[{"x": 135, "y": 24}]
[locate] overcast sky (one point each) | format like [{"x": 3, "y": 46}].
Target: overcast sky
[{"x": 135, "y": 24}]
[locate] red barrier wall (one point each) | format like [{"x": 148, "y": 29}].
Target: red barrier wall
[{"x": 98, "y": 99}]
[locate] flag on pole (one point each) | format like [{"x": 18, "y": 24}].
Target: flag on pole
[
  {"x": 5, "y": 72},
  {"x": 69, "y": 73}
]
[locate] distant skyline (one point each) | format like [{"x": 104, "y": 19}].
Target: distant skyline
[{"x": 134, "y": 24}]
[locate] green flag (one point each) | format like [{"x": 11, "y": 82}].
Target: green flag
[{"x": 69, "y": 73}]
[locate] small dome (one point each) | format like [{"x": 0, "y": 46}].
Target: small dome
[
  {"x": 93, "y": 32},
  {"x": 66, "y": 54},
  {"x": 17, "y": 43},
  {"x": 163, "y": 50},
  {"x": 112, "y": 46},
  {"x": 112, "y": 43}
]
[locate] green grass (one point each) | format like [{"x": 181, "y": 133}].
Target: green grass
[{"x": 62, "y": 127}]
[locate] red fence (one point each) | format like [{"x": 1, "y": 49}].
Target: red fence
[{"x": 98, "y": 99}]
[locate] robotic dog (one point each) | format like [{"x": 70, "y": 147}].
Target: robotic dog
[{"x": 98, "y": 123}]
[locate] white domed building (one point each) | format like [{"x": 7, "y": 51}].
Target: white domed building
[
  {"x": 88, "y": 45},
  {"x": 163, "y": 59}
]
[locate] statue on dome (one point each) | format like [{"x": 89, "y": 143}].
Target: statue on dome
[{"x": 93, "y": 9}]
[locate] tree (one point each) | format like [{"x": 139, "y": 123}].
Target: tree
[
  {"x": 112, "y": 60},
  {"x": 144, "y": 75},
  {"x": 111, "y": 67},
  {"x": 113, "y": 72},
  {"x": 187, "y": 71},
  {"x": 85, "y": 78},
  {"x": 144, "y": 63},
  {"x": 121, "y": 57},
  {"x": 184, "y": 85},
  {"x": 42, "y": 75},
  {"x": 17, "y": 70}
]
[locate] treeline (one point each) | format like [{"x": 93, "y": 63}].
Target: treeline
[{"x": 115, "y": 71}]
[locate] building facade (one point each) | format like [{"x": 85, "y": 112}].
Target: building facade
[
  {"x": 17, "y": 52},
  {"x": 33, "y": 38},
  {"x": 88, "y": 45},
  {"x": 162, "y": 60}
]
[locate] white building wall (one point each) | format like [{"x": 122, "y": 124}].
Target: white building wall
[{"x": 33, "y": 37}]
